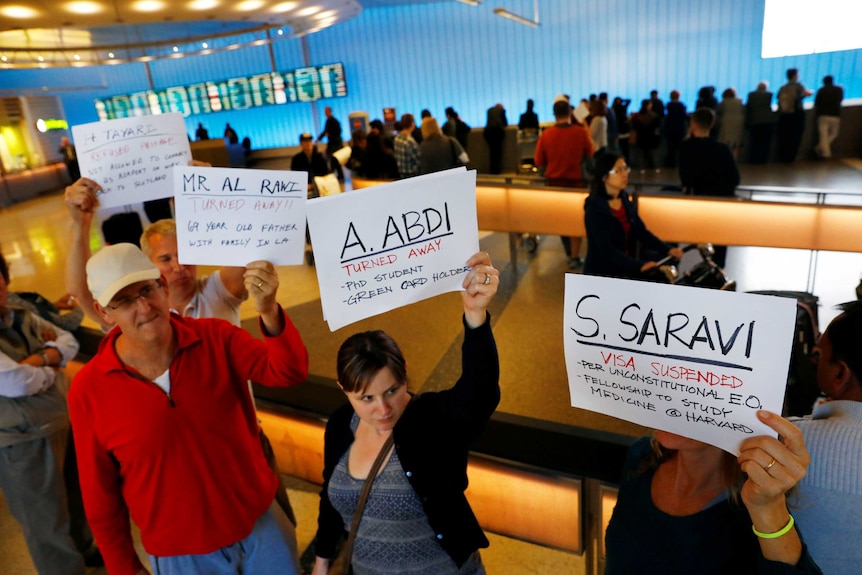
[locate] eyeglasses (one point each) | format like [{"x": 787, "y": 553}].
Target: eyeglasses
[
  {"x": 626, "y": 170},
  {"x": 147, "y": 292}
]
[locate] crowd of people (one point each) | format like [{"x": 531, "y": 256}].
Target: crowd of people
[{"x": 165, "y": 432}]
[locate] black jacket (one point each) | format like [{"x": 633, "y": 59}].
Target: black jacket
[
  {"x": 432, "y": 439},
  {"x": 606, "y": 240},
  {"x": 707, "y": 168}
]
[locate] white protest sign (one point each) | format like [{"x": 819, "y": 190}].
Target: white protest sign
[
  {"x": 691, "y": 361},
  {"x": 391, "y": 245},
  {"x": 131, "y": 158},
  {"x": 230, "y": 217}
]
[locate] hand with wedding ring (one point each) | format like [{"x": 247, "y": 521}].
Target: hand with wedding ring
[
  {"x": 773, "y": 465},
  {"x": 261, "y": 282},
  {"x": 480, "y": 286}
]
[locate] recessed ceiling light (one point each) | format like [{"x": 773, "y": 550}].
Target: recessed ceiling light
[
  {"x": 148, "y": 6},
  {"x": 203, "y": 4},
  {"x": 285, "y": 7},
  {"x": 18, "y": 12},
  {"x": 308, "y": 11},
  {"x": 280, "y": 32},
  {"x": 41, "y": 58},
  {"x": 204, "y": 45},
  {"x": 176, "y": 49},
  {"x": 249, "y": 5},
  {"x": 83, "y": 7},
  {"x": 77, "y": 57},
  {"x": 110, "y": 54}
]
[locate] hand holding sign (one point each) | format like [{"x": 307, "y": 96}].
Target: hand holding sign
[
  {"x": 694, "y": 362},
  {"x": 480, "y": 287},
  {"x": 773, "y": 466},
  {"x": 261, "y": 282},
  {"x": 82, "y": 200}
]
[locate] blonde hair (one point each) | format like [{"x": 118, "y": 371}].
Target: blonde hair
[
  {"x": 430, "y": 128},
  {"x": 165, "y": 227}
]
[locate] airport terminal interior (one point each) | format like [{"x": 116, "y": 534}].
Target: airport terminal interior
[{"x": 527, "y": 314}]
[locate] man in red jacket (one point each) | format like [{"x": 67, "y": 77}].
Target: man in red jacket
[
  {"x": 166, "y": 432},
  {"x": 561, "y": 151}
]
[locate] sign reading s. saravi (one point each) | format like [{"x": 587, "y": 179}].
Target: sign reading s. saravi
[{"x": 690, "y": 361}]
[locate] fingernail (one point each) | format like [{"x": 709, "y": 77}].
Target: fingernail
[{"x": 763, "y": 414}]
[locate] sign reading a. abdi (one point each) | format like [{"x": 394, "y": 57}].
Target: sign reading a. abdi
[{"x": 391, "y": 245}]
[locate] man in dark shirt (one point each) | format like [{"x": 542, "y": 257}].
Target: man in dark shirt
[
  {"x": 827, "y": 107},
  {"x": 309, "y": 159},
  {"x": 495, "y": 132},
  {"x": 707, "y": 167},
  {"x": 332, "y": 133},
  {"x": 529, "y": 120}
]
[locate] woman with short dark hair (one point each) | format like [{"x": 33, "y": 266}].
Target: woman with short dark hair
[{"x": 417, "y": 519}]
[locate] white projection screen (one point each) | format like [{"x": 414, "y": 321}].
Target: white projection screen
[{"x": 796, "y": 27}]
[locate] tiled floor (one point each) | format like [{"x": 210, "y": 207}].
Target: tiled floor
[{"x": 527, "y": 325}]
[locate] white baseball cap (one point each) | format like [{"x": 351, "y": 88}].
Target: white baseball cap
[{"x": 115, "y": 267}]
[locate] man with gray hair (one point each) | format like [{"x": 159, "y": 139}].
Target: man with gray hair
[{"x": 165, "y": 429}]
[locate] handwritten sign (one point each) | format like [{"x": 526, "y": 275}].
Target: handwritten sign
[
  {"x": 229, "y": 217},
  {"x": 131, "y": 158},
  {"x": 391, "y": 245},
  {"x": 690, "y": 361}
]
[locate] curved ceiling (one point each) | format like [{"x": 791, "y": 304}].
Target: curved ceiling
[{"x": 43, "y": 33}]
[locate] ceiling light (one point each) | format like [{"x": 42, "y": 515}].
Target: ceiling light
[
  {"x": 5, "y": 59},
  {"x": 280, "y": 32},
  {"x": 204, "y": 45},
  {"x": 83, "y": 7},
  {"x": 249, "y": 5},
  {"x": 77, "y": 57},
  {"x": 285, "y": 7},
  {"x": 203, "y": 4},
  {"x": 18, "y": 12},
  {"x": 176, "y": 49},
  {"x": 148, "y": 6},
  {"x": 41, "y": 58},
  {"x": 110, "y": 55},
  {"x": 515, "y": 18},
  {"x": 308, "y": 11},
  {"x": 471, "y": 2}
]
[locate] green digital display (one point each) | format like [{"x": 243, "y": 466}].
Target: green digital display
[{"x": 300, "y": 85}]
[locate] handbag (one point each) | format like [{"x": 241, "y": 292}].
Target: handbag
[{"x": 341, "y": 564}]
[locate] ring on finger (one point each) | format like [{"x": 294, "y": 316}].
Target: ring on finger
[
  {"x": 487, "y": 279},
  {"x": 259, "y": 285},
  {"x": 771, "y": 463}
]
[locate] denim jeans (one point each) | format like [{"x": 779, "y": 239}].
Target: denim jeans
[{"x": 265, "y": 551}]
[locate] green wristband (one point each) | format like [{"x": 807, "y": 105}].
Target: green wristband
[{"x": 783, "y": 531}]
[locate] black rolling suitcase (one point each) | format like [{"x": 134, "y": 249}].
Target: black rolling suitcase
[{"x": 802, "y": 389}]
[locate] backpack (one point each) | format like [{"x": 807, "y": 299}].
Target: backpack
[{"x": 788, "y": 98}]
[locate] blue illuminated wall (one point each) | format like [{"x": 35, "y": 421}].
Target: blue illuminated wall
[{"x": 437, "y": 55}]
